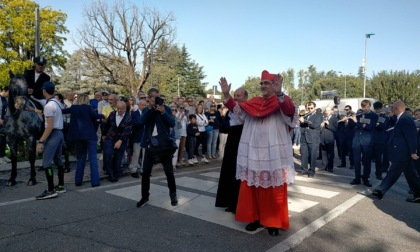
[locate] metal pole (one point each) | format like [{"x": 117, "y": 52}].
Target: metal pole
[
  {"x": 365, "y": 63},
  {"x": 37, "y": 32},
  {"x": 364, "y": 69}
]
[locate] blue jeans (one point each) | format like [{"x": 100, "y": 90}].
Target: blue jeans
[
  {"x": 212, "y": 142},
  {"x": 296, "y": 135},
  {"x": 113, "y": 157},
  {"x": 84, "y": 148},
  {"x": 191, "y": 146}
]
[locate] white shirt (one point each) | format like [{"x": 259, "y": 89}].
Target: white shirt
[
  {"x": 53, "y": 109},
  {"x": 119, "y": 118}
]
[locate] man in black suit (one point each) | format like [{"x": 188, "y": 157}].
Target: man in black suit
[
  {"x": 403, "y": 146},
  {"x": 363, "y": 143},
  {"x": 35, "y": 78},
  {"x": 116, "y": 133},
  {"x": 379, "y": 139},
  {"x": 345, "y": 136},
  {"x": 328, "y": 130},
  {"x": 310, "y": 138}
]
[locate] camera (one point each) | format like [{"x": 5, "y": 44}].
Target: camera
[{"x": 158, "y": 100}]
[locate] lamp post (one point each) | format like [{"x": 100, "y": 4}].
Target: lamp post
[
  {"x": 364, "y": 64},
  {"x": 345, "y": 84}
]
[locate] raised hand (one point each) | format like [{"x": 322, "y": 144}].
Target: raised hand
[
  {"x": 225, "y": 87},
  {"x": 277, "y": 84}
]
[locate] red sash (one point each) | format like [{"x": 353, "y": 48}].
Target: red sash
[{"x": 260, "y": 106}]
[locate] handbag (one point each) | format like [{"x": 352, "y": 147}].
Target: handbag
[{"x": 209, "y": 128}]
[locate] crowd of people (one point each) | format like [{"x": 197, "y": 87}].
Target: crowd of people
[
  {"x": 361, "y": 138},
  {"x": 259, "y": 135}
]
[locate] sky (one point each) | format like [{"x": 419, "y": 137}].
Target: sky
[{"x": 238, "y": 39}]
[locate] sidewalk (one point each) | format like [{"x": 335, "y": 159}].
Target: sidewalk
[{"x": 24, "y": 170}]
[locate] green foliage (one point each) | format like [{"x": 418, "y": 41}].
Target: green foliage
[
  {"x": 17, "y": 37},
  {"x": 252, "y": 86},
  {"x": 396, "y": 85},
  {"x": 173, "y": 64}
]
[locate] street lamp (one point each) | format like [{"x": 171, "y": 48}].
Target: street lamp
[
  {"x": 364, "y": 63},
  {"x": 345, "y": 84}
]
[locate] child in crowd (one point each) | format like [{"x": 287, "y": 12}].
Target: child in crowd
[{"x": 192, "y": 134}]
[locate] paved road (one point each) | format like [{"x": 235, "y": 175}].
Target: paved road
[{"x": 326, "y": 214}]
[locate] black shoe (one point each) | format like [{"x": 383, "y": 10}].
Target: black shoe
[
  {"x": 253, "y": 226},
  {"x": 377, "y": 194},
  {"x": 302, "y": 173},
  {"x": 310, "y": 175},
  {"x": 342, "y": 166},
  {"x": 379, "y": 177},
  {"x": 112, "y": 179},
  {"x": 135, "y": 175},
  {"x": 273, "y": 231},
  {"x": 367, "y": 183},
  {"x": 142, "y": 202},
  {"x": 230, "y": 210},
  {"x": 355, "y": 182},
  {"x": 413, "y": 200},
  {"x": 174, "y": 200},
  {"x": 351, "y": 167}
]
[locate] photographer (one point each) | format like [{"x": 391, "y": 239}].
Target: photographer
[{"x": 157, "y": 119}]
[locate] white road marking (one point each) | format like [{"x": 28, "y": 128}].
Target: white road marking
[
  {"x": 308, "y": 230},
  {"x": 324, "y": 182},
  {"x": 312, "y": 191}
]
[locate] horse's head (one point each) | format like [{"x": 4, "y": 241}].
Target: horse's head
[{"x": 17, "y": 87}]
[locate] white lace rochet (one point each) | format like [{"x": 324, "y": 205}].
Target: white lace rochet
[{"x": 265, "y": 154}]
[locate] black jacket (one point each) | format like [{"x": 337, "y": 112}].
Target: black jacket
[{"x": 36, "y": 86}]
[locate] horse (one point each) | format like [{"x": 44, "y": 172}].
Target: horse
[{"x": 21, "y": 125}]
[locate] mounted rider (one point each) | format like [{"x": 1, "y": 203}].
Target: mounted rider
[{"x": 35, "y": 78}]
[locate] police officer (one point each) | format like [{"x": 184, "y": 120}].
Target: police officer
[
  {"x": 35, "y": 78},
  {"x": 379, "y": 139},
  {"x": 363, "y": 143}
]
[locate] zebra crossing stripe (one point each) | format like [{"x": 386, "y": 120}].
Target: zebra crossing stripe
[
  {"x": 324, "y": 182},
  {"x": 312, "y": 191}
]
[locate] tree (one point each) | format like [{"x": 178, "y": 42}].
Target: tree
[
  {"x": 396, "y": 85},
  {"x": 252, "y": 86},
  {"x": 120, "y": 35},
  {"x": 17, "y": 37}
]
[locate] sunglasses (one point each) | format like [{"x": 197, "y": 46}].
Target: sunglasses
[
  {"x": 144, "y": 97},
  {"x": 174, "y": 110},
  {"x": 213, "y": 106},
  {"x": 181, "y": 107}
]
